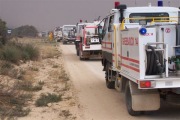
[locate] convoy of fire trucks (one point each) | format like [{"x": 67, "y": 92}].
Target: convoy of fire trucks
[{"x": 139, "y": 49}]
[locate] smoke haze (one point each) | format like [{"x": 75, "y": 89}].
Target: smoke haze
[{"x": 48, "y": 14}]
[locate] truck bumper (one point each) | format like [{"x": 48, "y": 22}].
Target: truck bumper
[{"x": 92, "y": 54}]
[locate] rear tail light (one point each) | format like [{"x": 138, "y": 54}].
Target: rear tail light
[{"x": 147, "y": 84}]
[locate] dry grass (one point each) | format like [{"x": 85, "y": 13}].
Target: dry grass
[
  {"x": 28, "y": 86},
  {"x": 49, "y": 51},
  {"x": 65, "y": 113},
  {"x": 64, "y": 76},
  {"x": 13, "y": 101},
  {"x": 8, "y": 69}
]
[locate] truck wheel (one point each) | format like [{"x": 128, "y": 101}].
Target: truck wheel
[
  {"x": 64, "y": 42},
  {"x": 128, "y": 99},
  {"x": 80, "y": 55},
  {"x": 109, "y": 84},
  {"x": 77, "y": 52},
  {"x": 80, "y": 58}
]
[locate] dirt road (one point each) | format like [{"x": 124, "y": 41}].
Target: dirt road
[{"x": 98, "y": 102}]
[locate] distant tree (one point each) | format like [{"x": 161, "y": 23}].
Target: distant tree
[
  {"x": 25, "y": 31},
  {"x": 3, "y": 31}
]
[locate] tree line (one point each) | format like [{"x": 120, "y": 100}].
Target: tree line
[{"x": 22, "y": 31}]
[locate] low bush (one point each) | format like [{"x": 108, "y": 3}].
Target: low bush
[
  {"x": 30, "y": 52},
  {"x": 14, "y": 52},
  {"x": 10, "y": 54},
  {"x": 49, "y": 98},
  {"x": 27, "y": 86}
]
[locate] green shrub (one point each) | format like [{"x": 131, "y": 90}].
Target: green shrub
[
  {"x": 30, "y": 52},
  {"x": 11, "y": 54},
  {"x": 27, "y": 86},
  {"x": 49, "y": 98},
  {"x": 14, "y": 52}
]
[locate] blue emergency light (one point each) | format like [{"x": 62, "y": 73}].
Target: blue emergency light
[
  {"x": 160, "y": 3},
  {"x": 142, "y": 31}
]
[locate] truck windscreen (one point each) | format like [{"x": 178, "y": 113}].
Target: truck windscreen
[{"x": 157, "y": 16}]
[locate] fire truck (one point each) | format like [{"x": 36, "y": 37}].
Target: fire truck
[
  {"x": 141, "y": 55},
  {"x": 58, "y": 34},
  {"x": 68, "y": 34},
  {"x": 88, "y": 44}
]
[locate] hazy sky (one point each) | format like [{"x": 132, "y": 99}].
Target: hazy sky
[{"x": 47, "y": 14}]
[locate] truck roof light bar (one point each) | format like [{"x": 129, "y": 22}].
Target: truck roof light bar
[{"x": 116, "y": 4}]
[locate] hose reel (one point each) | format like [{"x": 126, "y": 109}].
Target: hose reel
[{"x": 155, "y": 63}]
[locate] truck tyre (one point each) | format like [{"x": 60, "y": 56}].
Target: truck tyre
[
  {"x": 64, "y": 42},
  {"x": 109, "y": 84},
  {"x": 77, "y": 51},
  {"x": 128, "y": 99}
]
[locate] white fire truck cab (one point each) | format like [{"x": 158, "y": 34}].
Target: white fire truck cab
[
  {"x": 68, "y": 34},
  {"x": 58, "y": 34},
  {"x": 141, "y": 55}
]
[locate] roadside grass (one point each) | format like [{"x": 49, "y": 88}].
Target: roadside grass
[
  {"x": 8, "y": 69},
  {"x": 66, "y": 87},
  {"x": 65, "y": 113},
  {"x": 55, "y": 66},
  {"x": 34, "y": 69},
  {"x": 16, "y": 52},
  {"x": 49, "y": 51},
  {"x": 13, "y": 102},
  {"x": 41, "y": 83},
  {"x": 5, "y": 67},
  {"x": 14, "y": 96},
  {"x": 49, "y": 98},
  {"x": 64, "y": 76},
  {"x": 28, "y": 86}
]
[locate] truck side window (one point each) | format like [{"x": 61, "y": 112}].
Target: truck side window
[
  {"x": 178, "y": 17},
  {"x": 105, "y": 27},
  {"x": 111, "y": 21},
  {"x": 135, "y": 17}
]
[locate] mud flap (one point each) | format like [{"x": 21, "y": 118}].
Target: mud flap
[{"x": 144, "y": 100}]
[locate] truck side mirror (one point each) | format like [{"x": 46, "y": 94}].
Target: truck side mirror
[{"x": 74, "y": 29}]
